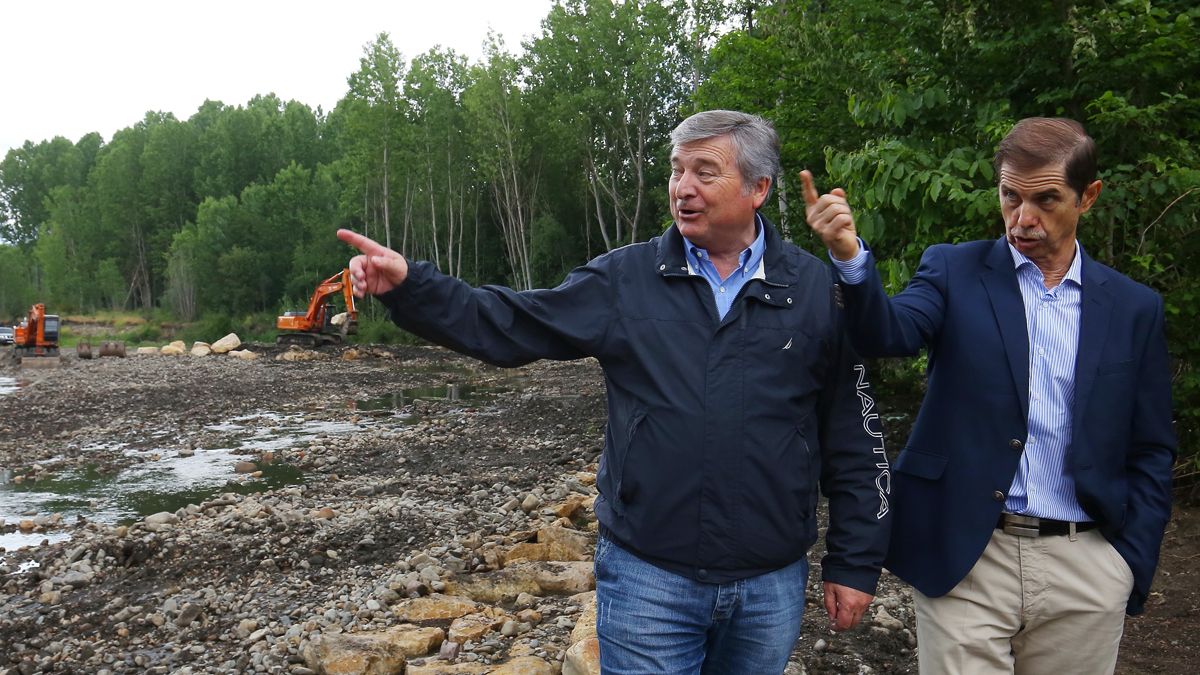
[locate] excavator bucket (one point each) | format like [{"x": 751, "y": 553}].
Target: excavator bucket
[{"x": 40, "y": 362}]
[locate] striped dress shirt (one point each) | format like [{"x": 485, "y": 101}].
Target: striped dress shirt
[{"x": 1043, "y": 486}]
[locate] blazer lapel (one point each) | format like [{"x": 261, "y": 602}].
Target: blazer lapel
[
  {"x": 1000, "y": 281},
  {"x": 1095, "y": 310}
]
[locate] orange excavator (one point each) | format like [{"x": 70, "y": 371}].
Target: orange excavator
[
  {"x": 37, "y": 335},
  {"x": 319, "y": 325}
]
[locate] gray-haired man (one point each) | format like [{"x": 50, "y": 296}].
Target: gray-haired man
[{"x": 732, "y": 399}]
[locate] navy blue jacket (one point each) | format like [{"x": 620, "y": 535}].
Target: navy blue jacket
[
  {"x": 964, "y": 303},
  {"x": 719, "y": 431}
]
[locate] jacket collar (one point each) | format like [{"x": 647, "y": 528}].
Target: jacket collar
[{"x": 780, "y": 269}]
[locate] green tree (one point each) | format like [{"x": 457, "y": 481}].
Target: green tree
[
  {"x": 438, "y": 170},
  {"x": 613, "y": 76},
  {"x": 503, "y": 139},
  {"x": 373, "y": 114},
  {"x": 906, "y": 102}
]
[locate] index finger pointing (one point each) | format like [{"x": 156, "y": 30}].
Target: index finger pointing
[
  {"x": 810, "y": 190},
  {"x": 365, "y": 244}
]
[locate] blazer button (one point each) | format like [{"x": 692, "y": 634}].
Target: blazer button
[
  {"x": 998, "y": 496},
  {"x": 702, "y": 573},
  {"x": 1016, "y": 444}
]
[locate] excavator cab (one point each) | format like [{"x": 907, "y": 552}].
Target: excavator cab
[{"x": 37, "y": 335}]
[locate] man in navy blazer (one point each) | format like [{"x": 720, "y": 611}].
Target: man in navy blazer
[{"x": 1030, "y": 501}]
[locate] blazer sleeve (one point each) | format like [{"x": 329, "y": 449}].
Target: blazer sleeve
[
  {"x": 1148, "y": 465},
  {"x": 903, "y": 324}
]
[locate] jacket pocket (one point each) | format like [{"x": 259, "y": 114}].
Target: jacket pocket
[
  {"x": 625, "y": 491},
  {"x": 920, "y": 464}
]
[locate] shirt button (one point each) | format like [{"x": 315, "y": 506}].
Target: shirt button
[
  {"x": 702, "y": 574},
  {"x": 1041, "y": 351},
  {"x": 998, "y": 496},
  {"x": 766, "y": 296},
  {"x": 722, "y": 289},
  {"x": 662, "y": 267},
  {"x": 789, "y": 301},
  {"x": 1016, "y": 444}
]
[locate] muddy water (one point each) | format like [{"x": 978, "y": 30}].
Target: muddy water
[
  {"x": 161, "y": 480},
  {"x": 8, "y": 385},
  {"x": 164, "y": 479},
  {"x": 450, "y": 392}
]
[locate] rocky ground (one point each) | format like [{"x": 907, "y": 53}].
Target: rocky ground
[{"x": 453, "y": 535}]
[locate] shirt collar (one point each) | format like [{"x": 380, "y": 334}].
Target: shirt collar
[
  {"x": 750, "y": 258},
  {"x": 1073, "y": 272}
]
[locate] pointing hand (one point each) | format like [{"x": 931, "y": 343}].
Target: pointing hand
[
  {"x": 378, "y": 270},
  {"x": 830, "y": 217}
]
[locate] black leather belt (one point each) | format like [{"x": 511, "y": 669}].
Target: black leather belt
[{"x": 1028, "y": 526}]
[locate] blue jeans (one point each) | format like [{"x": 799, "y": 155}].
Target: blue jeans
[{"x": 654, "y": 622}]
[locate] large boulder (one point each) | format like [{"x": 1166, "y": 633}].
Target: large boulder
[
  {"x": 475, "y": 627},
  {"x": 585, "y": 625},
  {"x": 524, "y": 665},
  {"x": 553, "y": 544},
  {"x": 359, "y": 654},
  {"x": 582, "y": 658},
  {"x": 227, "y": 344},
  {"x": 534, "y": 578},
  {"x": 435, "y": 609}
]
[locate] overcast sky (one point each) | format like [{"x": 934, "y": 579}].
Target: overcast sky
[{"x": 69, "y": 67}]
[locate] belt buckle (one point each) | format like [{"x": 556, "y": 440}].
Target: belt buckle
[{"x": 1021, "y": 526}]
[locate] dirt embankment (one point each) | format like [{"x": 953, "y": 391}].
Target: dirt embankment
[{"x": 406, "y": 493}]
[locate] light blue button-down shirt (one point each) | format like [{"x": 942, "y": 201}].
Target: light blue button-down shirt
[
  {"x": 1043, "y": 486},
  {"x": 725, "y": 290}
]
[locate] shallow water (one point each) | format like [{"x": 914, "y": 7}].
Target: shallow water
[
  {"x": 9, "y": 385},
  {"x": 163, "y": 480},
  {"x": 450, "y": 392},
  {"x": 160, "y": 479}
]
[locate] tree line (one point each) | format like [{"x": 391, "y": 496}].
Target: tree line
[{"x": 515, "y": 167}]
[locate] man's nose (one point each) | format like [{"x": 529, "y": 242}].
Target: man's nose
[
  {"x": 685, "y": 185},
  {"x": 1026, "y": 216}
]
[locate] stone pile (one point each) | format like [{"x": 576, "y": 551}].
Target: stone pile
[{"x": 493, "y": 602}]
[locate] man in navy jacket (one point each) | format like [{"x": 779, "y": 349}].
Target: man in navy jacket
[
  {"x": 1031, "y": 498},
  {"x": 733, "y": 397}
]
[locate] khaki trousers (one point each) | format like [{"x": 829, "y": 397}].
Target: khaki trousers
[{"x": 1030, "y": 606}]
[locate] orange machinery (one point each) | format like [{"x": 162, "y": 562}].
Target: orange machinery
[
  {"x": 37, "y": 335},
  {"x": 317, "y": 326}
]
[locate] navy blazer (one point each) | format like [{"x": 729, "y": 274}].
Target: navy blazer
[{"x": 949, "y": 482}]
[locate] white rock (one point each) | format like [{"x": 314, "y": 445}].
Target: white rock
[{"x": 227, "y": 344}]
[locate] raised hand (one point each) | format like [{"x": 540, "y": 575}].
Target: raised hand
[
  {"x": 378, "y": 270},
  {"x": 830, "y": 217}
]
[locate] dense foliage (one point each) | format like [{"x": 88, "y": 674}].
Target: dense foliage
[{"x": 519, "y": 166}]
